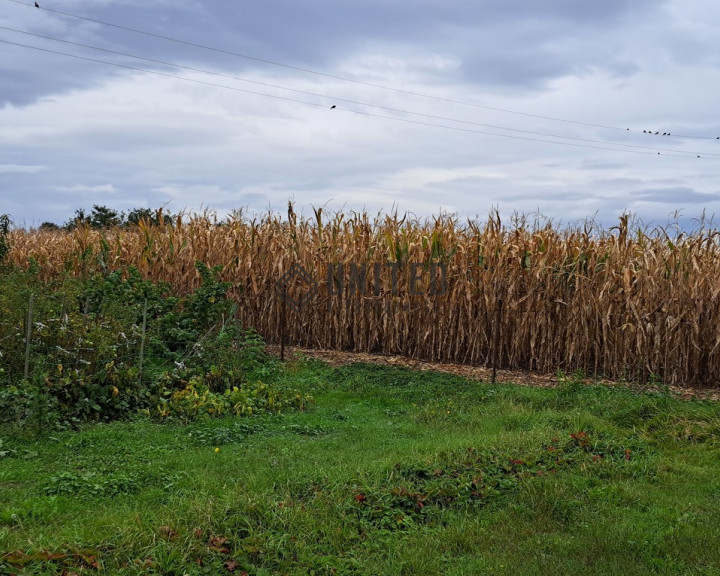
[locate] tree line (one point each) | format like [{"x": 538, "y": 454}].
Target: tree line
[{"x": 104, "y": 217}]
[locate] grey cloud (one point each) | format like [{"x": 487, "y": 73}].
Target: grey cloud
[
  {"x": 678, "y": 196},
  {"x": 499, "y": 42},
  {"x": 21, "y": 169},
  {"x": 152, "y": 141}
]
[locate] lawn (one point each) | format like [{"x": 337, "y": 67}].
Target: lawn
[{"x": 390, "y": 472}]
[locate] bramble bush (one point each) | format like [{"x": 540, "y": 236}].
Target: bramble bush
[
  {"x": 4, "y": 230},
  {"x": 85, "y": 352}
]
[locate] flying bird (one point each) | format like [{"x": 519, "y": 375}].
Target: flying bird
[
  {"x": 37, "y": 5},
  {"x": 656, "y": 133},
  {"x": 333, "y": 106}
]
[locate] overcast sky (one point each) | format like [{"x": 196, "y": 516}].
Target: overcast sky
[{"x": 523, "y": 105}]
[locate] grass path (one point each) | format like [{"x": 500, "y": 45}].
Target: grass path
[
  {"x": 393, "y": 472},
  {"x": 481, "y": 373}
]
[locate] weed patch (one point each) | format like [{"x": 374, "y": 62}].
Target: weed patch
[{"x": 473, "y": 479}]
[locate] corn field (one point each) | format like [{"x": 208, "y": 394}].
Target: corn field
[{"x": 624, "y": 303}]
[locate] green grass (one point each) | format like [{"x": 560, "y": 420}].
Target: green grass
[{"x": 393, "y": 472}]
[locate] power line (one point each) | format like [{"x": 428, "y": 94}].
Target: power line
[
  {"x": 405, "y": 120},
  {"x": 527, "y": 138},
  {"x": 307, "y": 93},
  {"x": 136, "y": 69},
  {"x": 336, "y": 77},
  {"x": 456, "y": 128}
]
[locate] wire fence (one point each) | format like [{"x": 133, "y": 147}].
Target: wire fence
[
  {"x": 278, "y": 323},
  {"x": 37, "y": 341}
]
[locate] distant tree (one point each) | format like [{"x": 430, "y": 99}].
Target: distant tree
[
  {"x": 99, "y": 217},
  {"x": 104, "y": 217},
  {"x": 47, "y": 226},
  {"x": 133, "y": 217},
  {"x": 79, "y": 219},
  {"x": 153, "y": 216}
]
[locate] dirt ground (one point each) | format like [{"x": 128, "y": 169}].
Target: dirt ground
[{"x": 338, "y": 358}]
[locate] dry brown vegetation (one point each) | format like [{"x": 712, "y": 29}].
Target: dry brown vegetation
[{"x": 624, "y": 303}]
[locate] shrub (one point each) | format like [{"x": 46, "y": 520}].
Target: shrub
[{"x": 86, "y": 346}]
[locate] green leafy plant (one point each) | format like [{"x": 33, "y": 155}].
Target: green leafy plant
[
  {"x": 4, "y": 231},
  {"x": 197, "y": 399},
  {"x": 472, "y": 479},
  {"x": 92, "y": 485},
  {"x": 86, "y": 342}
]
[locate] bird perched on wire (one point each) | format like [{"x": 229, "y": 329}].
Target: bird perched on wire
[{"x": 37, "y": 5}]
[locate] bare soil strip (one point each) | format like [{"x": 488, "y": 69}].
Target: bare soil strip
[{"x": 480, "y": 373}]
